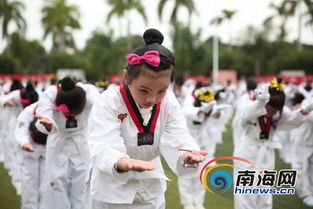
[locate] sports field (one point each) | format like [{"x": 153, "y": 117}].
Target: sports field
[{"x": 9, "y": 200}]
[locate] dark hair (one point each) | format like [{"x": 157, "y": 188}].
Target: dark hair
[
  {"x": 153, "y": 42},
  {"x": 217, "y": 96},
  {"x": 251, "y": 84},
  {"x": 53, "y": 81},
  {"x": 308, "y": 87},
  {"x": 298, "y": 98},
  {"x": 16, "y": 84},
  {"x": 29, "y": 93},
  {"x": 74, "y": 97},
  {"x": 179, "y": 80},
  {"x": 277, "y": 97}
]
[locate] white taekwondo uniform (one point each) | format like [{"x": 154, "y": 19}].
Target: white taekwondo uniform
[
  {"x": 258, "y": 151},
  {"x": 12, "y": 153},
  {"x": 67, "y": 155},
  {"x": 32, "y": 166},
  {"x": 113, "y": 134}
]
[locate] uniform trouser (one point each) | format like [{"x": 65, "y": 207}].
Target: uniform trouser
[
  {"x": 248, "y": 201},
  {"x": 303, "y": 163},
  {"x": 263, "y": 157},
  {"x": 13, "y": 159},
  {"x": 32, "y": 169},
  {"x": 1, "y": 146},
  {"x": 191, "y": 191},
  {"x": 67, "y": 186},
  {"x": 139, "y": 203}
]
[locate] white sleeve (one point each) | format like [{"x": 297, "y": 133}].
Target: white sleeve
[
  {"x": 105, "y": 143},
  {"x": 290, "y": 119},
  {"x": 14, "y": 95},
  {"x": 305, "y": 93},
  {"x": 92, "y": 92},
  {"x": 252, "y": 111},
  {"x": 21, "y": 132},
  {"x": 190, "y": 111},
  {"x": 46, "y": 109},
  {"x": 174, "y": 137}
]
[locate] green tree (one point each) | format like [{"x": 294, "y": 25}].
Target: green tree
[
  {"x": 8, "y": 64},
  {"x": 59, "y": 60},
  {"x": 226, "y": 15},
  {"x": 29, "y": 54},
  {"x": 309, "y": 13},
  {"x": 258, "y": 48},
  {"x": 59, "y": 21},
  {"x": 189, "y": 4},
  {"x": 11, "y": 12},
  {"x": 105, "y": 56},
  {"x": 192, "y": 56},
  {"x": 121, "y": 8},
  {"x": 286, "y": 9}
]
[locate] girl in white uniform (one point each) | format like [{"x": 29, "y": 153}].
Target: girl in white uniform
[
  {"x": 63, "y": 114},
  {"x": 259, "y": 121},
  {"x": 240, "y": 107},
  {"x": 131, "y": 126},
  {"x": 302, "y": 156},
  {"x": 14, "y": 102},
  {"x": 33, "y": 157},
  {"x": 198, "y": 109}
]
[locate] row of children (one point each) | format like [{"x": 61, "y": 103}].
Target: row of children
[
  {"x": 103, "y": 151},
  {"x": 83, "y": 149}
]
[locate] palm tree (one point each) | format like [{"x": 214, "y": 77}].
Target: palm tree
[
  {"x": 11, "y": 12},
  {"x": 309, "y": 6},
  {"x": 189, "y": 4},
  {"x": 309, "y": 22},
  {"x": 121, "y": 7},
  {"x": 286, "y": 9},
  {"x": 228, "y": 15},
  {"x": 59, "y": 20}
]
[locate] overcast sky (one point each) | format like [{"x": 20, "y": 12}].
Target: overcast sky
[{"x": 93, "y": 15}]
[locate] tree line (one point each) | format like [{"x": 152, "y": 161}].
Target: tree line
[{"x": 257, "y": 53}]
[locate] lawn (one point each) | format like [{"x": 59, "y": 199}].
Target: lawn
[{"x": 9, "y": 200}]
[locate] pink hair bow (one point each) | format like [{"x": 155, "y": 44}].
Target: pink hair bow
[
  {"x": 61, "y": 108},
  {"x": 150, "y": 57},
  {"x": 25, "y": 101}
]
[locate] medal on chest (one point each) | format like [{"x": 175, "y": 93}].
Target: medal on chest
[{"x": 265, "y": 127}]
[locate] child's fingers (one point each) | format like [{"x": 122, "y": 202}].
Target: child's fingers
[
  {"x": 28, "y": 147},
  {"x": 201, "y": 152},
  {"x": 140, "y": 165},
  {"x": 46, "y": 121},
  {"x": 38, "y": 116},
  {"x": 194, "y": 157},
  {"x": 43, "y": 120}
]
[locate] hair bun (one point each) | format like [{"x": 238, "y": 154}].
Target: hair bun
[
  {"x": 279, "y": 80},
  {"x": 29, "y": 86},
  {"x": 152, "y": 36},
  {"x": 67, "y": 84}
]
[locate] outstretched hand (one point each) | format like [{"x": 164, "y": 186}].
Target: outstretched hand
[
  {"x": 46, "y": 122},
  {"x": 28, "y": 147},
  {"x": 127, "y": 164},
  {"x": 262, "y": 93},
  {"x": 9, "y": 103},
  {"x": 194, "y": 156}
]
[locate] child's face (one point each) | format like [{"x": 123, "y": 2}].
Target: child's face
[
  {"x": 271, "y": 111},
  {"x": 150, "y": 87}
]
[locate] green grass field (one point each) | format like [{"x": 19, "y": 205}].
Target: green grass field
[{"x": 9, "y": 200}]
